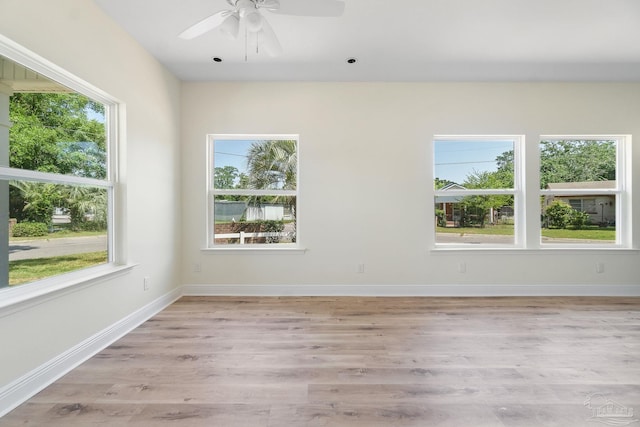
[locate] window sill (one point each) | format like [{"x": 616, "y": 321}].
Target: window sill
[
  {"x": 533, "y": 251},
  {"x": 251, "y": 249},
  {"x": 18, "y": 298}
]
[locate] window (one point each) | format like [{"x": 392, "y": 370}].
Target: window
[
  {"x": 253, "y": 190},
  {"x": 477, "y": 190},
  {"x": 583, "y": 192},
  {"x": 582, "y": 182},
  {"x": 56, "y": 174},
  {"x": 583, "y": 205}
]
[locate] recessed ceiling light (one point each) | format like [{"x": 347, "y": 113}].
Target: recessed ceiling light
[
  {"x": 217, "y": 59},
  {"x": 351, "y": 60}
]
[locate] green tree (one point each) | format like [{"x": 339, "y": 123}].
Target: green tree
[
  {"x": 225, "y": 177},
  {"x": 505, "y": 169},
  {"x": 577, "y": 161},
  {"x": 480, "y": 206},
  {"x": 441, "y": 183},
  {"x": 243, "y": 181},
  {"x": 52, "y": 132},
  {"x": 567, "y": 161},
  {"x": 39, "y": 200},
  {"x": 87, "y": 207}
]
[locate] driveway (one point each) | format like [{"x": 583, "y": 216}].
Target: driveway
[{"x": 46, "y": 248}]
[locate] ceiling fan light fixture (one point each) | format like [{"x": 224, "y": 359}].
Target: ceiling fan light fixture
[
  {"x": 230, "y": 27},
  {"x": 253, "y": 20},
  {"x": 228, "y": 21}
]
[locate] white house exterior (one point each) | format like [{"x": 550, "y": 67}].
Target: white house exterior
[{"x": 600, "y": 207}]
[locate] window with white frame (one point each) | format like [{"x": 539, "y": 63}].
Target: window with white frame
[
  {"x": 477, "y": 190},
  {"x": 253, "y": 191},
  {"x": 583, "y": 190},
  {"x": 56, "y": 176}
]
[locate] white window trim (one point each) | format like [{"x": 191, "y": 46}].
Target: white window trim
[
  {"x": 114, "y": 118},
  {"x": 622, "y": 191},
  {"x": 527, "y": 232},
  {"x": 517, "y": 192},
  {"x": 291, "y": 248}
]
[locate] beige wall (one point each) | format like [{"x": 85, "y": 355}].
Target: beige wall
[
  {"x": 77, "y": 36},
  {"x": 365, "y": 147}
]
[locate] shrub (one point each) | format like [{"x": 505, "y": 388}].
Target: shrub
[
  {"x": 579, "y": 219},
  {"x": 558, "y": 214},
  {"x": 273, "y": 226},
  {"x": 441, "y": 220},
  {"x": 30, "y": 229}
]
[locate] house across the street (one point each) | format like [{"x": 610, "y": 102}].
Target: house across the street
[{"x": 600, "y": 207}]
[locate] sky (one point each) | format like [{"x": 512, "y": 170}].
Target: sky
[
  {"x": 454, "y": 160},
  {"x": 232, "y": 153}
]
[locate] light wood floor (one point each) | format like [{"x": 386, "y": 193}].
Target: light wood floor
[{"x": 288, "y": 362}]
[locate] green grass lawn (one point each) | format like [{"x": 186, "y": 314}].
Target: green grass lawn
[
  {"x": 29, "y": 270},
  {"x": 589, "y": 233},
  {"x": 60, "y": 234},
  {"x": 505, "y": 230}
]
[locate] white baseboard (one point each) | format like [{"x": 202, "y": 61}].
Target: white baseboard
[
  {"x": 412, "y": 290},
  {"x": 23, "y": 388}
]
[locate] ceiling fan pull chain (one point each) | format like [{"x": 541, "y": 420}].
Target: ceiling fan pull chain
[{"x": 246, "y": 43}]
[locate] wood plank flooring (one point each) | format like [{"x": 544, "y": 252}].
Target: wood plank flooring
[{"x": 392, "y": 362}]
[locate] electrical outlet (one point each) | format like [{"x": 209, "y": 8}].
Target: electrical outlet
[
  {"x": 462, "y": 267},
  {"x": 145, "y": 283},
  {"x": 197, "y": 268},
  {"x": 599, "y": 267},
  {"x": 360, "y": 268}
]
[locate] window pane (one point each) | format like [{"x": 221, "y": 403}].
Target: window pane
[
  {"x": 475, "y": 219},
  {"x": 254, "y": 220},
  {"x": 255, "y": 164},
  {"x": 54, "y": 229},
  {"x": 59, "y": 133},
  {"x": 474, "y": 163},
  {"x": 584, "y": 219},
  {"x": 577, "y": 164}
]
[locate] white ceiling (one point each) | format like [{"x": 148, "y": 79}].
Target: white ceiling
[{"x": 403, "y": 40}]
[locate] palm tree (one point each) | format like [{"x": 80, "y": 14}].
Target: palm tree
[
  {"x": 273, "y": 165},
  {"x": 38, "y": 200},
  {"x": 83, "y": 201}
]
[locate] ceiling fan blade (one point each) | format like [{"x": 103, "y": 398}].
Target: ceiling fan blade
[
  {"x": 328, "y": 8},
  {"x": 268, "y": 40},
  {"x": 207, "y": 24}
]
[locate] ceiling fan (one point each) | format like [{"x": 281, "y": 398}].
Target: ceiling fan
[{"x": 248, "y": 12}]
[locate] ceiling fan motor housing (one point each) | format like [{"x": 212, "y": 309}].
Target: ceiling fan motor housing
[{"x": 256, "y": 4}]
